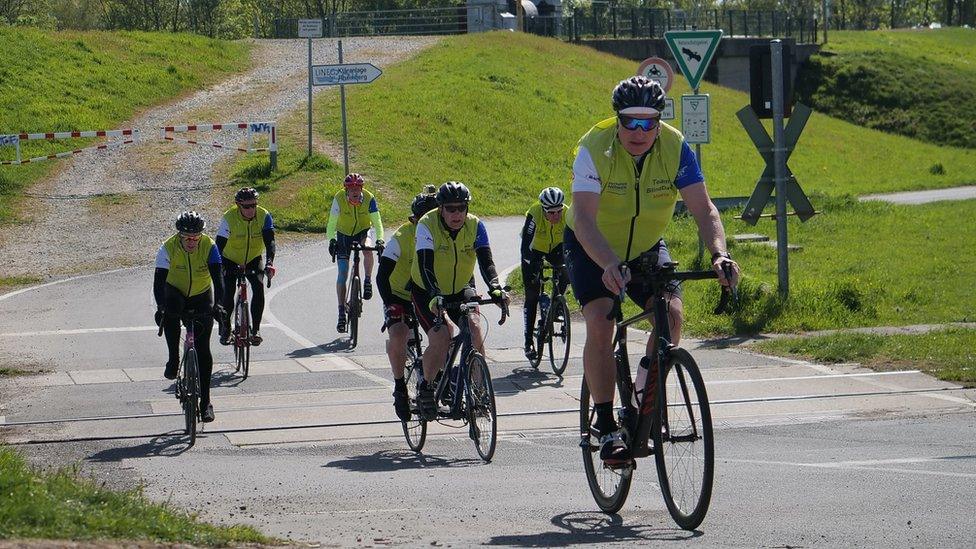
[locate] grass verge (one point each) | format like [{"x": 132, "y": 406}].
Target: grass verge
[
  {"x": 13, "y": 372},
  {"x": 465, "y": 109},
  {"x": 70, "y": 80},
  {"x": 63, "y": 505},
  {"x": 949, "y": 355}
]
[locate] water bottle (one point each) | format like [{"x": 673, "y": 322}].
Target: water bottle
[{"x": 643, "y": 370}]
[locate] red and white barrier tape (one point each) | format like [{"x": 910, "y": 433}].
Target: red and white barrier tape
[
  {"x": 206, "y": 127},
  {"x": 213, "y": 144},
  {"x": 251, "y": 128},
  {"x": 71, "y": 135},
  {"x": 65, "y": 154}
]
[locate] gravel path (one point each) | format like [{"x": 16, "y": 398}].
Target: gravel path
[{"x": 113, "y": 208}]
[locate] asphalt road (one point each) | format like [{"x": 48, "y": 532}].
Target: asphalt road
[{"x": 307, "y": 447}]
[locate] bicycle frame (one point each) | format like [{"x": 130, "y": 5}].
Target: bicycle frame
[
  {"x": 240, "y": 340},
  {"x": 457, "y": 382}
]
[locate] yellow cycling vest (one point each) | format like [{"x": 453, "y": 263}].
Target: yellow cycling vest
[
  {"x": 245, "y": 241},
  {"x": 454, "y": 258},
  {"x": 547, "y": 235},
  {"x": 353, "y": 219},
  {"x": 400, "y": 277},
  {"x": 633, "y": 214},
  {"x": 189, "y": 272}
]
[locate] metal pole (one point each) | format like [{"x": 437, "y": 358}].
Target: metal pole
[
  {"x": 701, "y": 243},
  {"x": 345, "y": 135},
  {"x": 825, "y": 7},
  {"x": 779, "y": 165},
  {"x": 309, "y": 97}
]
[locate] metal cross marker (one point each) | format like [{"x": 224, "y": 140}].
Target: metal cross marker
[{"x": 767, "y": 183}]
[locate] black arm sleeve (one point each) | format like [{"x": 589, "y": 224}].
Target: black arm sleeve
[
  {"x": 528, "y": 233},
  {"x": 221, "y": 241},
  {"x": 487, "y": 265},
  {"x": 426, "y": 259},
  {"x": 269, "y": 244},
  {"x": 383, "y": 273},
  {"x": 159, "y": 286},
  {"x": 218, "y": 281}
]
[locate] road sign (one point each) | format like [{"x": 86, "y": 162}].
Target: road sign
[
  {"x": 658, "y": 69},
  {"x": 668, "y": 113},
  {"x": 695, "y": 120},
  {"x": 310, "y": 28},
  {"x": 693, "y": 50},
  {"x": 767, "y": 183},
  {"x": 353, "y": 73}
]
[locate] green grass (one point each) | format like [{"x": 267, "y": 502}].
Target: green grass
[
  {"x": 917, "y": 83},
  {"x": 8, "y": 282},
  {"x": 465, "y": 109},
  {"x": 949, "y": 355},
  {"x": 67, "y": 80},
  {"x": 62, "y": 505},
  {"x": 13, "y": 372}
]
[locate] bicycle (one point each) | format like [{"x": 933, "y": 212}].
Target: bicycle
[
  {"x": 188, "y": 378},
  {"x": 354, "y": 295},
  {"x": 242, "y": 324},
  {"x": 681, "y": 428},
  {"x": 414, "y": 430},
  {"x": 466, "y": 385},
  {"x": 554, "y": 326}
]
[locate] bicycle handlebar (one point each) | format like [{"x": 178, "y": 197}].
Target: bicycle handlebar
[
  {"x": 185, "y": 318},
  {"x": 471, "y": 303},
  {"x": 663, "y": 274}
]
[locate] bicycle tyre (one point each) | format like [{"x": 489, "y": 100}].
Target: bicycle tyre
[
  {"x": 191, "y": 394},
  {"x": 242, "y": 337},
  {"x": 540, "y": 337},
  {"x": 355, "y": 308},
  {"x": 482, "y": 415},
  {"x": 609, "y": 487},
  {"x": 415, "y": 430},
  {"x": 684, "y": 448},
  {"x": 559, "y": 342}
]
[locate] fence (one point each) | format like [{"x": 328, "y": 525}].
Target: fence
[{"x": 450, "y": 20}]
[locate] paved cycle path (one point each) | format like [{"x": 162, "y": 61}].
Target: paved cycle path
[{"x": 308, "y": 446}]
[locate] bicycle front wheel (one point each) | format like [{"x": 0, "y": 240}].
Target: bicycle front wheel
[
  {"x": 540, "y": 332},
  {"x": 684, "y": 449},
  {"x": 242, "y": 337},
  {"x": 415, "y": 430},
  {"x": 191, "y": 394},
  {"x": 559, "y": 336},
  {"x": 355, "y": 309},
  {"x": 609, "y": 486},
  {"x": 482, "y": 416}
]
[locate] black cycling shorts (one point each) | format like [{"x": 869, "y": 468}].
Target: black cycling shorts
[
  {"x": 421, "y": 302},
  {"x": 344, "y": 241},
  {"x": 586, "y": 276}
]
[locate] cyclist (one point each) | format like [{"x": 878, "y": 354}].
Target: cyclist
[
  {"x": 448, "y": 242},
  {"x": 393, "y": 281},
  {"x": 353, "y": 211},
  {"x": 627, "y": 175},
  {"x": 542, "y": 238},
  {"x": 186, "y": 265},
  {"x": 245, "y": 232}
]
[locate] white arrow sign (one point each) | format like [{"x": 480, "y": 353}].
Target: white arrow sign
[{"x": 334, "y": 75}]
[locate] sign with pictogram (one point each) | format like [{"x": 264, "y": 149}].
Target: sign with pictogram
[
  {"x": 693, "y": 51},
  {"x": 695, "y": 119},
  {"x": 657, "y": 69}
]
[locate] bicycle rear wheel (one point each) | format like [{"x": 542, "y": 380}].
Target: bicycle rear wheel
[
  {"x": 415, "y": 430},
  {"x": 559, "y": 336},
  {"x": 191, "y": 394},
  {"x": 684, "y": 449},
  {"x": 355, "y": 309},
  {"x": 482, "y": 416},
  {"x": 609, "y": 486}
]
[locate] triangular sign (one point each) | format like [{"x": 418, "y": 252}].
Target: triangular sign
[{"x": 693, "y": 50}]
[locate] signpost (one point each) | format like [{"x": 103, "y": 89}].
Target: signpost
[
  {"x": 695, "y": 118},
  {"x": 310, "y": 28},
  {"x": 657, "y": 69}
]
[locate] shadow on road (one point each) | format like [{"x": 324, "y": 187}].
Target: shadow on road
[
  {"x": 397, "y": 460},
  {"x": 336, "y": 345},
  {"x": 524, "y": 378},
  {"x": 168, "y": 445},
  {"x": 578, "y": 528},
  {"x": 226, "y": 378}
]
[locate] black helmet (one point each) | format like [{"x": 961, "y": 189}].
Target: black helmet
[
  {"x": 190, "y": 223},
  {"x": 423, "y": 203},
  {"x": 453, "y": 191},
  {"x": 638, "y": 91},
  {"x": 246, "y": 193}
]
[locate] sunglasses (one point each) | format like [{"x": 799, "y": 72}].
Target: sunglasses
[
  {"x": 190, "y": 237},
  {"x": 646, "y": 124},
  {"x": 248, "y": 206},
  {"x": 455, "y": 209}
]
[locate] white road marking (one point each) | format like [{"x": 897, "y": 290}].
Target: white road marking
[
  {"x": 62, "y": 281},
  {"x": 866, "y": 466}
]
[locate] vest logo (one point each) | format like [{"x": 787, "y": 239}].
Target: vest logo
[{"x": 615, "y": 187}]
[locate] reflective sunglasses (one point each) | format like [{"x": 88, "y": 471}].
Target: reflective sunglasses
[
  {"x": 646, "y": 124},
  {"x": 457, "y": 208},
  {"x": 248, "y": 206}
]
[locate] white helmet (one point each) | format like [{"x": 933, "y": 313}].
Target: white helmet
[{"x": 551, "y": 198}]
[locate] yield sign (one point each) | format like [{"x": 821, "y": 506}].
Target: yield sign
[{"x": 693, "y": 50}]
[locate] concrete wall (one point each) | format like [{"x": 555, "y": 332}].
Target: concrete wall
[{"x": 729, "y": 67}]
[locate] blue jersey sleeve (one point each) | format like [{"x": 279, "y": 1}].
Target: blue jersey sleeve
[
  {"x": 372, "y": 206},
  {"x": 689, "y": 172},
  {"x": 481, "y": 238},
  {"x": 214, "y": 256},
  {"x": 268, "y": 223}
]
